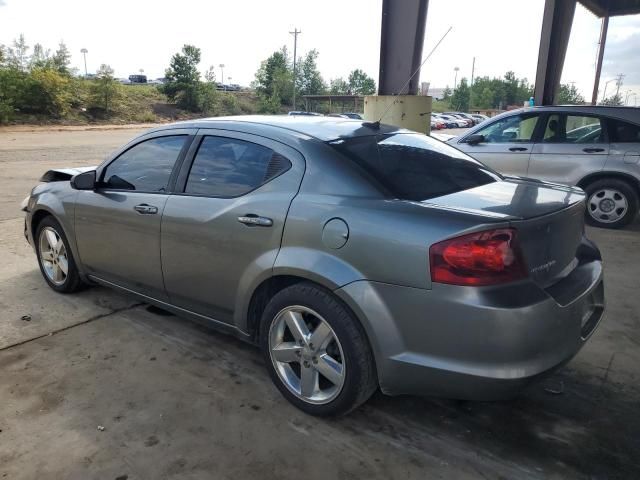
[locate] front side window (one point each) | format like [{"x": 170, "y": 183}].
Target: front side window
[
  {"x": 624, "y": 132},
  {"x": 514, "y": 129},
  {"x": 414, "y": 167},
  {"x": 146, "y": 167},
  {"x": 226, "y": 167},
  {"x": 561, "y": 128}
]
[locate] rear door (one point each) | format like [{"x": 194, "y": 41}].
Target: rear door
[
  {"x": 117, "y": 225},
  {"x": 571, "y": 146},
  {"x": 224, "y": 226},
  {"x": 507, "y": 143},
  {"x": 624, "y": 152}
]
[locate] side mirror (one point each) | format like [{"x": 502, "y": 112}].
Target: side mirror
[
  {"x": 474, "y": 139},
  {"x": 84, "y": 181}
]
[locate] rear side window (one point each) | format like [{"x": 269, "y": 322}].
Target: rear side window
[
  {"x": 562, "y": 128},
  {"x": 145, "y": 167},
  {"x": 414, "y": 167},
  {"x": 623, "y": 132},
  {"x": 226, "y": 167}
]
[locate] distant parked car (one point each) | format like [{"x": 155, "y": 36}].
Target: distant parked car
[
  {"x": 138, "y": 78},
  {"x": 470, "y": 121},
  {"x": 303, "y": 113},
  {"x": 479, "y": 117},
  {"x": 353, "y": 115},
  {"x": 595, "y": 148},
  {"x": 455, "y": 122},
  {"x": 448, "y": 122},
  {"x": 437, "y": 123}
]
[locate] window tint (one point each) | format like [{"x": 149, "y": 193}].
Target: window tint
[
  {"x": 514, "y": 129},
  {"x": 623, "y": 132},
  {"x": 562, "y": 128},
  {"x": 225, "y": 167},
  {"x": 145, "y": 167},
  {"x": 414, "y": 167}
]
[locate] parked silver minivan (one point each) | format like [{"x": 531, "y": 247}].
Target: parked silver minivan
[{"x": 596, "y": 148}]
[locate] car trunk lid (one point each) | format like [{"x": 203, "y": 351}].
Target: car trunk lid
[{"x": 549, "y": 220}]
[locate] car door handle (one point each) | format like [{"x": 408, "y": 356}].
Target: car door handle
[
  {"x": 145, "y": 209},
  {"x": 517, "y": 149},
  {"x": 593, "y": 150},
  {"x": 253, "y": 220}
]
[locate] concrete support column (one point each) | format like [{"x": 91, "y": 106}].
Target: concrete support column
[
  {"x": 402, "y": 38},
  {"x": 556, "y": 28}
]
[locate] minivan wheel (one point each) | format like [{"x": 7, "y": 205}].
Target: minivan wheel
[
  {"x": 55, "y": 258},
  {"x": 611, "y": 203},
  {"x": 316, "y": 352}
]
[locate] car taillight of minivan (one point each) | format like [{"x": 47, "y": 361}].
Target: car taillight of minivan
[{"x": 483, "y": 258}]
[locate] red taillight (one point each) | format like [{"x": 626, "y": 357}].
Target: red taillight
[{"x": 483, "y": 258}]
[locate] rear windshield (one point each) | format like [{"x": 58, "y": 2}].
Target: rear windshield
[{"x": 414, "y": 167}]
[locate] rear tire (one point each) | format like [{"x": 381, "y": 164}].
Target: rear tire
[
  {"x": 55, "y": 258},
  {"x": 611, "y": 203},
  {"x": 291, "y": 358}
]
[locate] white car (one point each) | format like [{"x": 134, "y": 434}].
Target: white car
[{"x": 458, "y": 121}]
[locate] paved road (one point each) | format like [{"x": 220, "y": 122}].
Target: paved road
[{"x": 178, "y": 401}]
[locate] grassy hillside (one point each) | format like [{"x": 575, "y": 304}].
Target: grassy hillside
[{"x": 134, "y": 104}]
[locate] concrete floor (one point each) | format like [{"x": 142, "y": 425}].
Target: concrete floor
[{"x": 178, "y": 401}]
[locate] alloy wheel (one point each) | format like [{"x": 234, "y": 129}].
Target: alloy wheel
[
  {"x": 607, "y": 205},
  {"x": 307, "y": 355},
  {"x": 53, "y": 256}
]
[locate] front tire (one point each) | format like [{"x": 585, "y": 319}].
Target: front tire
[
  {"x": 56, "y": 261},
  {"x": 316, "y": 352},
  {"x": 611, "y": 203}
]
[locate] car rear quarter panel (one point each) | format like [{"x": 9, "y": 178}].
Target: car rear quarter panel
[{"x": 388, "y": 240}]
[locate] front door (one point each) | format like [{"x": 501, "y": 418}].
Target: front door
[
  {"x": 225, "y": 228},
  {"x": 507, "y": 144},
  {"x": 570, "y": 148},
  {"x": 118, "y": 225}
]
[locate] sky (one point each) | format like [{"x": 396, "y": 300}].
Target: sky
[{"x": 502, "y": 35}]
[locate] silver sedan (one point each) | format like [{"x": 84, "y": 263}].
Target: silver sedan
[{"x": 356, "y": 255}]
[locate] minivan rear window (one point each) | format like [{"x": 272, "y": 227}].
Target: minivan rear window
[{"x": 414, "y": 167}]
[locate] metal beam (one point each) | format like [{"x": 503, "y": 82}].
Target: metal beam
[
  {"x": 402, "y": 38},
  {"x": 554, "y": 38},
  {"x": 601, "y": 45}
]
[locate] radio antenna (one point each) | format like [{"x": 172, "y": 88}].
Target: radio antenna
[{"x": 377, "y": 124}]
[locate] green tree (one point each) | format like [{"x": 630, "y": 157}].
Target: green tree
[
  {"x": 446, "y": 94},
  {"x": 183, "y": 79},
  {"x": 338, "y": 86},
  {"x": 61, "y": 59},
  {"x": 105, "y": 88},
  {"x": 208, "y": 97},
  {"x": 40, "y": 58},
  {"x": 309, "y": 81},
  {"x": 613, "y": 100},
  {"x": 274, "y": 82},
  {"x": 46, "y": 91},
  {"x": 361, "y": 84},
  {"x": 459, "y": 101},
  {"x": 569, "y": 95},
  {"x": 19, "y": 54},
  {"x": 271, "y": 72},
  {"x": 210, "y": 74}
]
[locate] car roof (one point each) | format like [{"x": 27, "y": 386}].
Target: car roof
[
  {"x": 631, "y": 114},
  {"x": 320, "y": 128}
]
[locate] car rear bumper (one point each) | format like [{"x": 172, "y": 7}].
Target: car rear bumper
[{"x": 476, "y": 343}]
